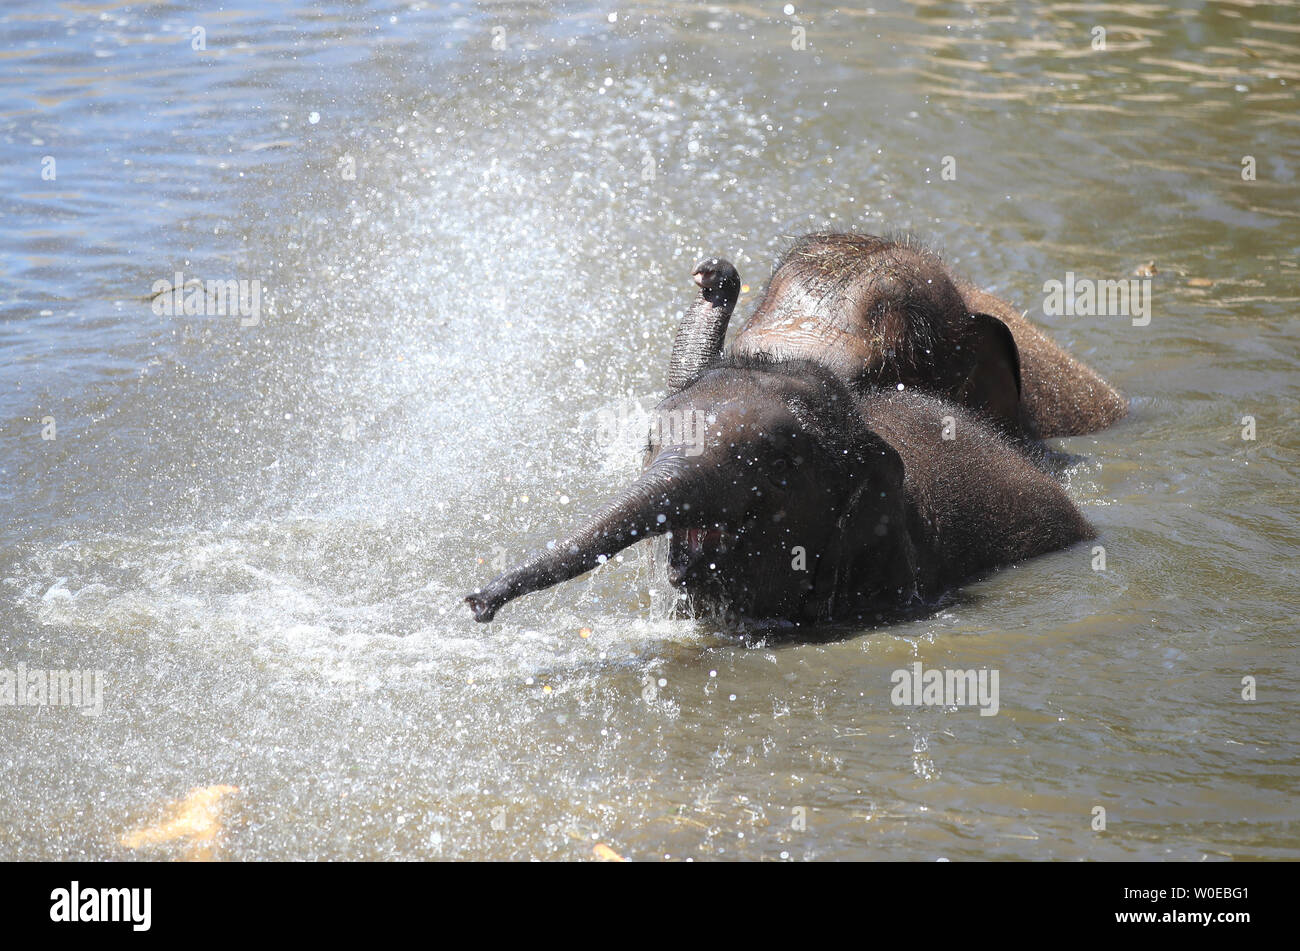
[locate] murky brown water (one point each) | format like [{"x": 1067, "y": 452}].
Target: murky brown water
[{"x": 260, "y": 533}]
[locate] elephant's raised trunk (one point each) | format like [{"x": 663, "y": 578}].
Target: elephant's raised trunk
[
  {"x": 640, "y": 511},
  {"x": 699, "y": 338}
]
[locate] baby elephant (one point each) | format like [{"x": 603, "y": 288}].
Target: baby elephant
[
  {"x": 810, "y": 500},
  {"x": 882, "y": 312}
]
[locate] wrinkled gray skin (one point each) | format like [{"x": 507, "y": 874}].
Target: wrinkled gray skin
[
  {"x": 699, "y": 338},
  {"x": 810, "y": 501}
]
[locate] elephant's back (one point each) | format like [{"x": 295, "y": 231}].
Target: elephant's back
[{"x": 979, "y": 503}]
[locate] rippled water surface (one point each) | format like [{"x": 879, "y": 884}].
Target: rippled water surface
[{"x": 261, "y": 532}]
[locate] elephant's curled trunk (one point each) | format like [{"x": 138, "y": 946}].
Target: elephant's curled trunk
[{"x": 699, "y": 338}]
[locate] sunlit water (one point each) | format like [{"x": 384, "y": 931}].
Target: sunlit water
[{"x": 469, "y": 258}]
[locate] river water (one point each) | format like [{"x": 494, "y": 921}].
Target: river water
[{"x": 472, "y": 228}]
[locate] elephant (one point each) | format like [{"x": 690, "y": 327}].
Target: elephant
[
  {"x": 810, "y": 499},
  {"x": 878, "y": 311}
]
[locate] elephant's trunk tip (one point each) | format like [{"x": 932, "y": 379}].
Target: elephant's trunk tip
[
  {"x": 699, "y": 337},
  {"x": 718, "y": 281},
  {"x": 483, "y": 608}
]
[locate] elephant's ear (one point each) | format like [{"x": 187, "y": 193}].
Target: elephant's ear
[
  {"x": 870, "y": 552},
  {"x": 990, "y": 371}
]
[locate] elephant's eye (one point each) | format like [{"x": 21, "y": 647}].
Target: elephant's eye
[{"x": 776, "y": 471}]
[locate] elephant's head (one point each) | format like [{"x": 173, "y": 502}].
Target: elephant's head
[
  {"x": 883, "y": 312},
  {"x": 772, "y": 491},
  {"x": 786, "y": 495}
]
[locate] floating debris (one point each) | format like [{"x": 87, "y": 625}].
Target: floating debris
[{"x": 195, "y": 820}]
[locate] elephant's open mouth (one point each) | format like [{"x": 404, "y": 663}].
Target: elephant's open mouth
[{"x": 696, "y": 554}]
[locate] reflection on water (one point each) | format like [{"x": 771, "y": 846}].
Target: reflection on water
[{"x": 261, "y": 533}]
